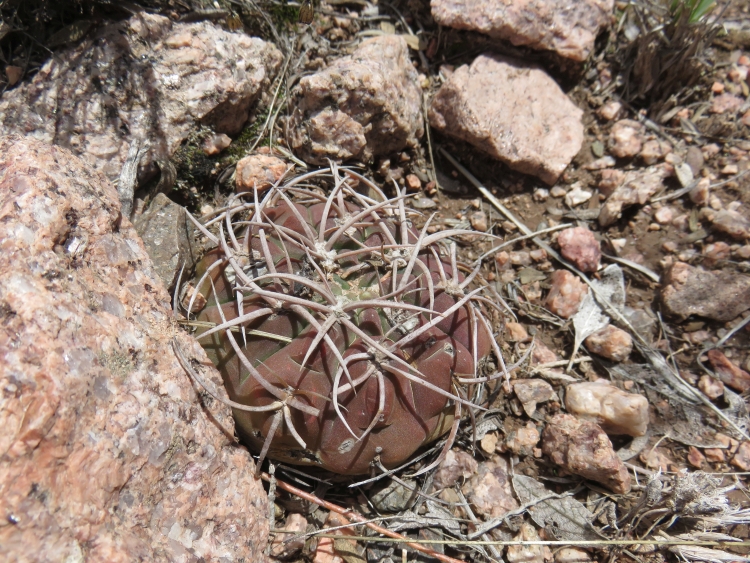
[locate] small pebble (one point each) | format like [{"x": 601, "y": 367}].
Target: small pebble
[
  {"x": 557, "y": 191},
  {"x": 610, "y": 342},
  {"x": 478, "y": 221},
  {"x": 711, "y": 388},
  {"x": 565, "y": 294},
  {"x": 577, "y": 196},
  {"x": 695, "y": 457},
  {"x": 541, "y": 195},
  {"x": 610, "y": 110},
  {"x": 664, "y": 215},
  {"x": 626, "y": 138},
  {"x": 413, "y": 183},
  {"x": 699, "y": 194},
  {"x": 214, "y": 144},
  {"x": 579, "y": 245}
]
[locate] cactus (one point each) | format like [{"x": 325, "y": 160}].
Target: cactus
[{"x": 350, "y": 337}]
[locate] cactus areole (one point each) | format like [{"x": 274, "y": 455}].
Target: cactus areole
[{"x": 352, "y": 337}]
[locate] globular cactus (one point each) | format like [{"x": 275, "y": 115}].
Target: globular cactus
[{"x": 350, "y": 337}]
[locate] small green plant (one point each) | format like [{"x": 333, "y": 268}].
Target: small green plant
[
  {"x": 345, "y": 337},
  {"x": 694, "y": 10}
]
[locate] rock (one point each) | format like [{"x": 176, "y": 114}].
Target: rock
[
  {"x": 528, "y": 553},
  {"x": 610, "y": 110},
  {"x": 577, "y": 196},
  {"x": 394, "y": 496},
  {"x": 328, "y": 549},
  {"x": 610, "y": 180},
  {"x": 711, "y": 388},
  {"x": 695, "y": 457},
  {"x": 489, "y": 490},
  {"x": 532, "y": 392},
  {"x": 664, "y": 215},
  {"x": 457, "y": 465},
  {"x": 720, "y": 295},
  {"x": 106, "y": 448},
  {"x": 601, "y": 163},
  {"x": 653, "y": 151},
  {"x": 572, "y": 555},
  {"x": 565, "y": 294},
  {"x": 214, "y": 144},
  {"x": 579, "y": 245},
  {"x": 145, "y": 78},
  {"x": 488, "y": 443},
  {"x": 733, "y": 223},
  {"x": 520, "y": 258},
  {"x": 715, "y": 252},
  {"x": 478, "y": 220},
  {"x": 413, "y": 183},
  {"x": 541, "y": 195},
  {"x": 169, "y": 238},
  {"x": 741, "y": 459},
  {"x": 626, "y": 138},
  {"x": 568, "y": 29},
  {"x": 515, "y": 332},
  {"x": 523, "y": 440},
  {"x": 582, "y": 448},
  {"x": 610, "y": 342},
  {"x": 694, "y": 159},
  {"x": 515, "y": 113},
  {"x": 637, "y": 187},
  {"x": 14, "y": 74},
  {"x": 725, "y": 103},
  {"x": 258, "y": 170},
  {"x": 364, "y": 105},
  {"x": 283, "y": 545},
  {"x": 615, "y": 410},
  {"x": 728, "y": 372},
  {"x": 656, "y": 458}
]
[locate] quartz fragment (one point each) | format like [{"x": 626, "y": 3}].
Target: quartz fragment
[{"x": 615, "y": 410}]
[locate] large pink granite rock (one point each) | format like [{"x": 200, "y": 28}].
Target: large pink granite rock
[
  {"x": 569, "y": 28},
  {"x": 364, "y": 105},
  {"x": 106, "y": 453},
  {"x": 146, "y": 78},
  {"x": 515, "y": 113}
]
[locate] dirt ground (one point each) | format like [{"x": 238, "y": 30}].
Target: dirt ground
[{"x": 677, "y": 113}]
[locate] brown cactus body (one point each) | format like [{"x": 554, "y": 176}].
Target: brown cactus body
[{"x": 356, "y": 330}]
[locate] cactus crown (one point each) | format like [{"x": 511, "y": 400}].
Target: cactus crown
[{"x": 350, "y": 337}]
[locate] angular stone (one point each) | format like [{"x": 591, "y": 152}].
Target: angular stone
[
  {"x": 718, "y": 295},
  {"x": 582, "y": 448},
  {"x": 169, "y": 238},
  {"x": 565, "y": 294},
  {"x": 733, "y": 223},
  {"x": 145, "y": 78},
  {"x": 532, "y": 392},
  {"x": 579, "y": 245},
  {"x": 513, "y": 112},
  {"x": 636, "y": 188},
  {"x": 567, "y": 28},
  {"x": 456, "y": 465},
  {"x": 258, "y": 171},
  {"x": 107, "y": 451},
  {"x": 362, "y": 106},
  {"x": 489, "y": 491},
  {"x": 741, "y": 459},
  {"x": 728, "y": 372},
  {"x": 615, "y": 410},
  {"x": 626, "y": 138}
]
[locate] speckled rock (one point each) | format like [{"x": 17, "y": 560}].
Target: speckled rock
[
  {"x": 489, "y": 491},
  {"x": 169, "y": 238},
  {"x": 579, "y": 245},
  {"x": 636, "y": 188},
  {"x": 615, "y": 410},
  {"x": 626, "y": 138},
  {"x": 258, "y": 171},
  {"x": 145, "y": 78},
  {"x": 513, "y": 112},
  {"x": 457, "y": 464},
  {"x": 582, "y": 448},
  {"x": 106, "y": 453},
  {"x": 362, "y": 106},
  {"x": 565, "y": 294},
  {"x": 731, "y": 222},
  {"x": 531, "y": 392},
  {"x": 718, "y": 295},
  {"x": 567, "y": 28},
  {"x": 610, "y": 342}
]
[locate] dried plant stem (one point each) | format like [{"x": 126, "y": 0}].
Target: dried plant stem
[{"x": 351, "y": 515}]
